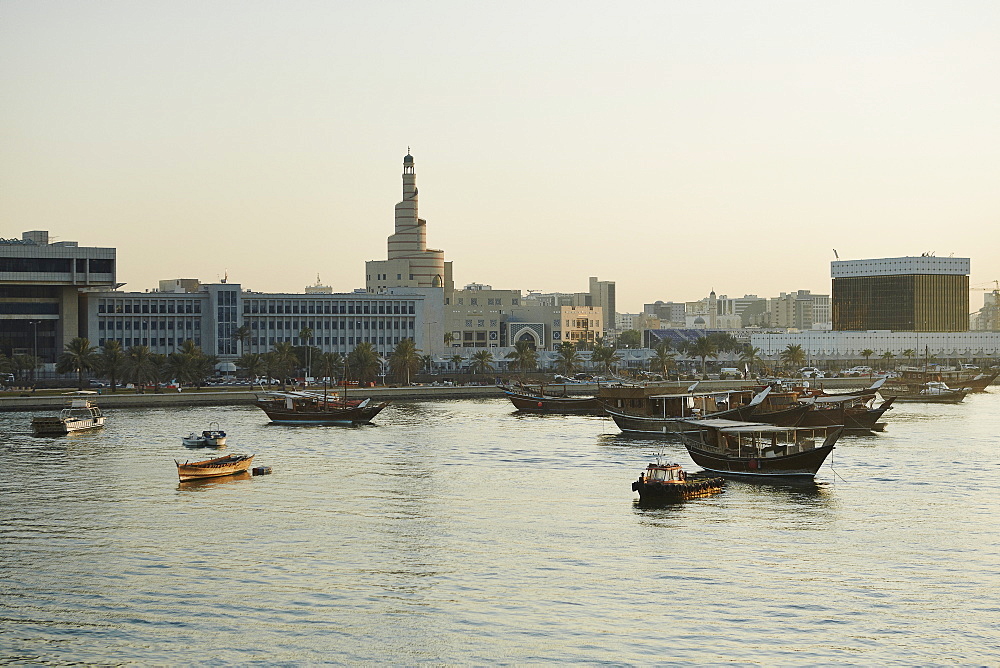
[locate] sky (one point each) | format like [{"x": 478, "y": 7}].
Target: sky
[{"x": 672, "y": 147}]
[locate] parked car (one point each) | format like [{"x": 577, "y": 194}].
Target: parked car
[
  {"x": 811, "y": 372},
  {"x": 730, "y": 372}
]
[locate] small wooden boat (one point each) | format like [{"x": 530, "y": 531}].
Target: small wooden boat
[
  {"x": 213, "y": 437},
  {"x": 213, "y": 468},
  {"x": 538, "y": 400},
  {"x": 933, "y": 392},
  {"x": 79, "y": 415},
  {"x": 669, "y": 483},
  {"x": 317, "y": 408},
  {"x": 760, "y": 451}
]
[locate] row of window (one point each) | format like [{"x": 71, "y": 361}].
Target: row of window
[
  {"x": 165, "y": 325},
  {"x": 148, "y": 306},
  {"x": 339, "y": 323},
  {"x": 162, "y": 342},
  {"x": 326, "y": 306},
  {"x": 55, "y": 265},
  {"x": 329, "y": 340},
  {"x": 490, "y": 301}
]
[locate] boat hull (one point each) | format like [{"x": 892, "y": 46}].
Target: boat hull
[
  {"x": 853, "y": 419},
  {"x": 342, "y": 416},
  {"x": 214, "y": 468},
  {"x": 53, "y": 426},
  {"x": 798, "y": 465},
  {"x": 658, "y": 493},
  {"x": 529, "y": 403},
  {"x": 956, "y": 397},
  {"x": 643, "y": 424}
]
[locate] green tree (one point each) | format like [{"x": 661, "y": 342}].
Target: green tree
[
  {"x": 140, "y": 367},
  {"x": 427, "y": 363},
  {"x": 330, "y": 365},
  {"x": 25, "y": 365},
  {"x": 482, "y": 362},
  {"x": 363, "y": 362},
  {"x": 909, "y": 354},
  {"x": 78, "y": 357},
  {"x": 283, "y": 360},
  {"x": 663, "y": 358},
  {"x": 568, "y": 360},
  {"x": 111, "y": 362},
  {"x": 866, "y": 353},
  {"x": 404, "y": 361},
  {"x": 703, "y": 347},
  {"x": 751, "y": 357},
  {"x": 242, "y": 335},
  {"x": 630, "y": 338},
  {"x": 523, "y": 357},
  {"x": 448, "y": 338},
  {"x": 793, "y": 355},
  {"x": 251, "y": 365},
  {"x": 457, "y": 361},
  {"x": 606, "y": 357},
  {"x": 190, "y": 365},
  {"x": 888, "y": 356}
]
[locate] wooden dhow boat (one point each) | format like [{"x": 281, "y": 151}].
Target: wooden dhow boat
[
  {"x": 213, "y": 468},
  {"x": 664, "y": 483},
  {"x": 81, "y": 414},
  {"x": 537, "y": 399},
  {"x": 669, "y": 413},
  {"x": 759, "y": 451},
  {"x": 934, "y": 392},
  {"x": 317, "y": 408},
  {"x": 857, "y": 414}
]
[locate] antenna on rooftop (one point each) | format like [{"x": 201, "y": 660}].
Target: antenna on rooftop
[{"x": 835, "y": 254}]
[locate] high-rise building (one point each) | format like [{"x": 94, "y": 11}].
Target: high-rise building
[{"x": 903, "y": 294}]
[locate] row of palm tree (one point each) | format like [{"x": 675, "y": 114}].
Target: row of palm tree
[
  {"x": 137, "y": 364},
  {"x": 19, "y": 365}
]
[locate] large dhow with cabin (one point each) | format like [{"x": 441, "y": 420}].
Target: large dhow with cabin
[
  {"x": 753, "y": 449},
  {"x": 317, "y": 408}
]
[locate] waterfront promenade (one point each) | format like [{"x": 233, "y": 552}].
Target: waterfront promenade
[{"x": 12, "y": 401}]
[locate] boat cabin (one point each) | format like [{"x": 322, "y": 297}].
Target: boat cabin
[
  {"x": 664, "y": 473},
  {"x": 686, "y": 405}
]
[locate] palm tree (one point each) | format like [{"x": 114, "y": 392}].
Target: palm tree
[
  {"x": 703, "y": 347},
  {"x": 888, "y": 356},
  {"x": 363, "y": 362},
  {"x": 457, "y": 361},
  {"x": 189, "y": 364},
  {"x": 404, "y": 360},
  {"x": 751, "y": 357},
  {"x": 793, "y": 355},
  {"x": 111, "y": 362},
  {"x": 448, "y": 338},
  {"x": 482, "y": 362},
  {"x": 305, "y": 335},
  {"x": 910, "y": 353},
  {"x": 663, "y": 357},
  {"x": 523, "y": 357},
  {"x": 283, "y": 360},
  {"x": 606, "y": 356},
  {"x": 242, "y": 335},
  {"x": 23, "y": 364},
  {"x": 140, "y": 366},
  {"x": 251, "y": 364},
  {"x": 79, "y": 356},
  {"x": 866, "y": 353},
  {"x": 331, "y": 365},
  {"x": 569, "y": 360},
  {"x": 427, "y": 363}
]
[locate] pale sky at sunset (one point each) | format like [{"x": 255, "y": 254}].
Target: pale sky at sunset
[{"x": 673, "y": 147}]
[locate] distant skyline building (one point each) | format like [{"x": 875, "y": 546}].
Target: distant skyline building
[{"x": 901, "y": 294}]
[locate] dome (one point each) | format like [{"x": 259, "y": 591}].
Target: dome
[
  {"x": 699, "y": 320},
  {"x": 408, "y": 159}
]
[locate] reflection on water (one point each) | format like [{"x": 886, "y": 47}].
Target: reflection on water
[{"x": 461, "y": 532}]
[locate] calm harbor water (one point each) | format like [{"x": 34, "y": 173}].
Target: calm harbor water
[{"x": 460, "y": 532}]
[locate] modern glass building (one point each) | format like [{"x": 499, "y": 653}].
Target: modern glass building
[
  {"x": 41, "y": 287},
  {"x": 903, "y": 294}
]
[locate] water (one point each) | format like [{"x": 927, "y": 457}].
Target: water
[{"x": 459, "y": 532}]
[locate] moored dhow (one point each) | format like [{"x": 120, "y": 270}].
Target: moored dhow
[
  {"x": 530, "y": 399},
  {"x": 213, "y": 468},
  {"x": 670, "y": 413},
  {"x": 317, "y": 408},
  {"x": 760, "y": 451}
]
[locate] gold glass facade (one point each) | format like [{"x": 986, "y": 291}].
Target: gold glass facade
[{"x": 904, "y": 303}]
